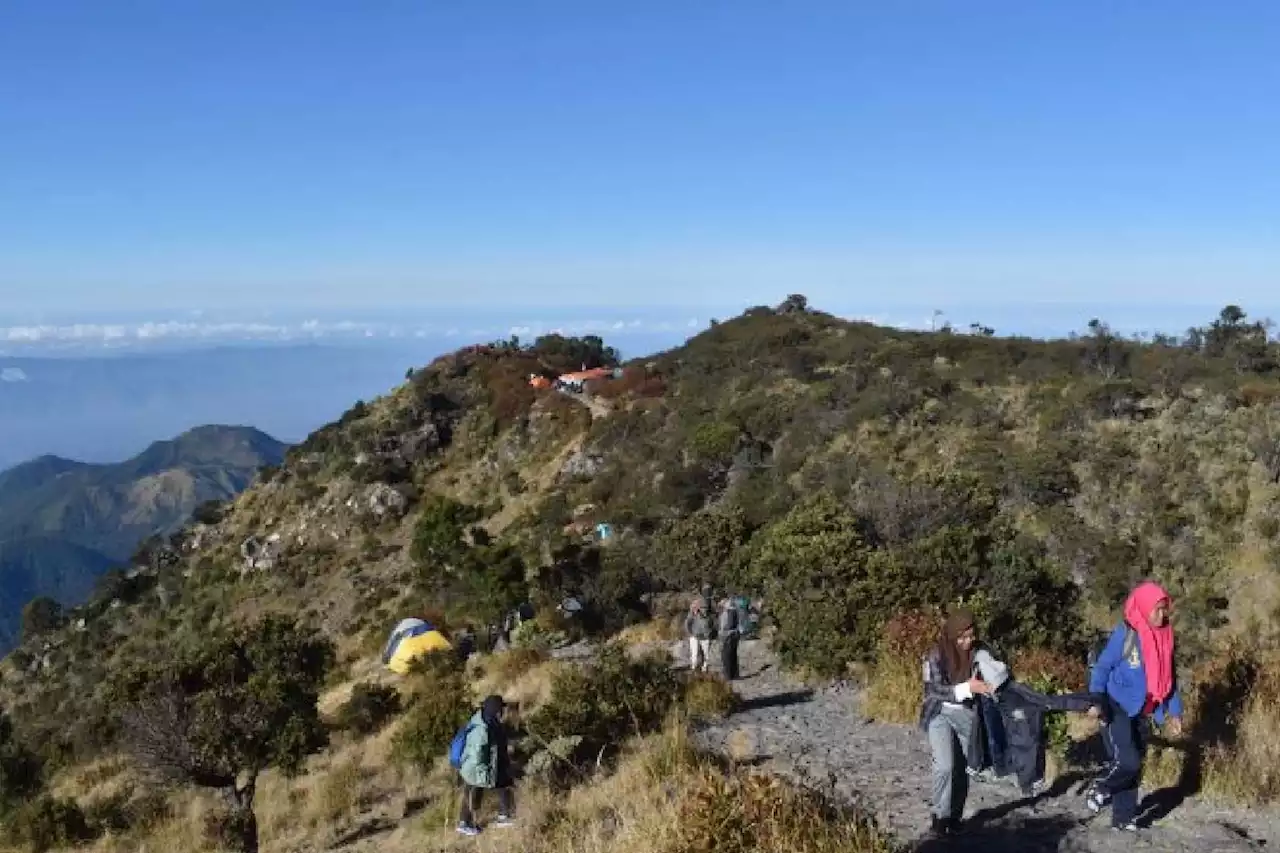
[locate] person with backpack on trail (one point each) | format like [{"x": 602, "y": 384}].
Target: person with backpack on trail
[
  {"x": 698, "y": 626},
  {"x": 730, "y": 631},
  {"x": 948, "y": 716},
  {"x": 1136, "y": 673},
  {"x": 479, "y": 752}
]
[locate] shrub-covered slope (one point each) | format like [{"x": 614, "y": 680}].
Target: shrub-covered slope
[{"x": 845, "y": 472}]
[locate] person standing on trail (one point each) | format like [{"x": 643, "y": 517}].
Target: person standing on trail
[
  {"x": 697, "y": 625},
  {"x": 948, "y": 716},
  {"x": 485, "y": 765},
  {"x": 729, "y": 634},
  {"x": 1136, "y": 673}
]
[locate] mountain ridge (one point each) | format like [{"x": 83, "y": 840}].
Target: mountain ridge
[
  {"x": 64, "y": 522},
  {"x": 855, "y": 478}
]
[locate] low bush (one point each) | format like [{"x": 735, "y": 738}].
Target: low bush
[
  {"x": 748, "y": 812},
  {"x": 896, "y": 687},
  {"x": 612, "y": 699},
  {"x": 370, "y": 707},
  {"x": 510, "y": 665},
  {"x": 1233, "y": 715},
  {"x": 439, "y": 704}
]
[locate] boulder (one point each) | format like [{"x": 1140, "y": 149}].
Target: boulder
[
  {"x": 261, "y": 554},
  {"x": 581, "y": 466},
  {"x": 381, "y": 500}
]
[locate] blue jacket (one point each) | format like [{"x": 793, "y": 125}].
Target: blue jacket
[{"x": 1125, "y": 680}]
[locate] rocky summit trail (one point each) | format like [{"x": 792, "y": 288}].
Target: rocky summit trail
[{"x": 822, "y": 737}]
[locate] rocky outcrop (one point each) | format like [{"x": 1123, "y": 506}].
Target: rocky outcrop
[
  {"x": 581, "y": 465},
  {"x": 380, "y": 501},
  {"x": 261, "y": 554}
]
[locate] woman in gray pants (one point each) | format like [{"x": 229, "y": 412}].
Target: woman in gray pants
[{"x": 948, "y": 716}]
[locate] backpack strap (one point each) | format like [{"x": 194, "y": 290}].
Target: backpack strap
[{"x": 1130, "y": 640}]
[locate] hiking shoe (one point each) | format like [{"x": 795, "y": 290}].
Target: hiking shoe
[
  {"x": 465, "y": 829},
  {"x": 504, "y": 821},
  {"x": 1096, "y": 800}
]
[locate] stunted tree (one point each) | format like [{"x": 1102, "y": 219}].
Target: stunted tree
[
  {"x": 796, "y": 303},
  {"x": 217, "y": 714},
  {"x": 569, "y": 353},
  {"x": 1105, "y": 352},
  {"x": 40, "y": 616}
]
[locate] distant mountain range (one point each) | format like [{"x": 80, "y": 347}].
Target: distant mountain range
[{"x": 63, "y": 523}]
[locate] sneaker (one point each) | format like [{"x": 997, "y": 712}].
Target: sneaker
[
  {"x": 464, "y": 829},
  {"x": 1039, "y": 787},
  {"x": 504, "y": 821},
  {"x": 1096, "y": 800},
  {"x": 1131, "y": 826}
]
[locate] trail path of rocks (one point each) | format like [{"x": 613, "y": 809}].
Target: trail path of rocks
[{"x": 822, "y": 737}]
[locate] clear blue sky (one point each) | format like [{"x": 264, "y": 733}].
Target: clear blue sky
[{"x": 180, "y": 154}]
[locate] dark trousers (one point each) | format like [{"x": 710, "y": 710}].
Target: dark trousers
[
  {"x": 471, "y": 799},
  {"x": 729, "y": 656},
  {"x": 1126, "y": 739}
]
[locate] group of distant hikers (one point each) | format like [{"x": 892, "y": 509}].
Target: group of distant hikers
[
  {"x": 702, "y": 626},
  {"x": 977, "y": 717},
  {"x": 973, "y": 706}
]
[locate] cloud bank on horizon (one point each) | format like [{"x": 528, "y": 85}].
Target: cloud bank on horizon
[{"x": 138, "y": 335}]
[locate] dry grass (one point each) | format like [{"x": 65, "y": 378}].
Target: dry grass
[
  {"x": 662, "y": 798},
  {"x": 894, "y": 688},
  {"x": 894, "y": 691},
  {"x": 653, "y": 632},
  {"x": 708, "y": 696},
  {"x": 1242, "y": 764}
]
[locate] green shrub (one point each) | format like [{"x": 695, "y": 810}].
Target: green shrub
[
  {"x": 610, "y": 700},
  {"x": 370, "y": 707},
  {"x": 824, "y": 586},
  {"x": 439, "y": 704}
]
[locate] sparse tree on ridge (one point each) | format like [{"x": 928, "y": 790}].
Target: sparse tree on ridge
[{"x": 218, "y": 715}]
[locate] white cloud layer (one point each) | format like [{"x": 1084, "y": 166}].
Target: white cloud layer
[{"x": 143, "y": 334}]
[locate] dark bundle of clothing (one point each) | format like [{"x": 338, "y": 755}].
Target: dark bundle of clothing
[{"x": 1009, "y": 736}]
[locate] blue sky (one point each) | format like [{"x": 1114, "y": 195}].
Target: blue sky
[{"x": 348, "y": 156}]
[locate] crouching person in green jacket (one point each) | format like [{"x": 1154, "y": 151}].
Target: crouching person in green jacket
[{"x": 485, "y": 765}]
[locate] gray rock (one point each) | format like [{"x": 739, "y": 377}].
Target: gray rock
[
  {"x": 261, "y": 554},
  {"x": 581, "y": 466}
]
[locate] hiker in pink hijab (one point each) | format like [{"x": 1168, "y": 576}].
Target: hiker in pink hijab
[{"x": 1136, "y": 674}]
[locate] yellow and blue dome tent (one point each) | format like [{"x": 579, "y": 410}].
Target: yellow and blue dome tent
[{"x": 411, "y": 639}]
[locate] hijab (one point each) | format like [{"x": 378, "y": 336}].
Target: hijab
[
  {"x": 1157, "y": 643},
  {"x": 491, "y": 711},
  {"x": 957, "y": 662}
]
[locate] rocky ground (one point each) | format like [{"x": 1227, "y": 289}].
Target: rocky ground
[{"x": 822, "y": 737}]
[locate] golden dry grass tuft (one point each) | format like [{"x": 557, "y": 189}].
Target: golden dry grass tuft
[
  {"x": 652, "y": 632},
  {"x": 1242, "y": 764},
  {"x": 708, "y": 697},
  {"x": 894, "y": 688}
]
